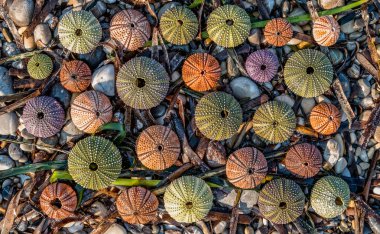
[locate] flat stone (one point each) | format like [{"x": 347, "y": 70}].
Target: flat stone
[
  {"x": 116, "y": 229},
  {"x": 103, "y": 80},
  {"x": 6, "y": 82},
  {"x": 9, "y": 123},
  {"x": 6, "y": 162},
  {"x": 243, "y": 87},
  {"x": 21, "y": 12},
  {"x": 226, "y": 197}
]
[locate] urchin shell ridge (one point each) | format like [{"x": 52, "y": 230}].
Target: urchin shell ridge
[
  {"x": 262, "y": 65},
  {"x": 75, "y": 76},
  {"x": 40, "y": 66},
  {"x": 303, "y": 160}
]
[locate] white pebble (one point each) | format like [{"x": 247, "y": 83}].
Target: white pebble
[{"x": 376, "y": 190}]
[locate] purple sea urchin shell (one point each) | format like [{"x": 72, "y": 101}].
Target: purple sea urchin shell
[
  {"x": 43, "y": 116},
  {"x": 262, "y": 65}
]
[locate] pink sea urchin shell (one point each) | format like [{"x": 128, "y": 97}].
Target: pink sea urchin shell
[
  {"x": 43, "y": 116},
  {"x": 262, "y": 65}
]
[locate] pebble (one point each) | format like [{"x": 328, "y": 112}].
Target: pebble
[
  {"x": 371, "y": 152},
  {"x": 116, "y": 229},
  {"x": 10, "y": 49},
  {"x": 27, "y": 147},
  {"x": 6, "y": 82},
  {"x": 295, "y": 41},
  {"x": 99, "y": 9},
  {"x": 376, "y": 190},
  {"x": 232, "y": 69},
  {"x": 363, "y": 156},
  {"x": 103, "y": 80},
  {"x": 348, "y": 27},
  {"x": 48, "y": 142},
  {"x": 243, "y": 87},
  {"x": 286, "y": 99},
  {"x": 220, "y": 227},
  {"x": 94, "y": 58},
  {"x": 354, "y": 71},
  {"x": 193, "y": 230},
  {"x": 364, "y": 88},
  {"x": 226, "y": 197},
  {"x": 175, "y": 76},
  {"x": 359, "y": 169},
  {"x": 345, "y": 82},
  {"x": 69, "y": 132},
  {"x": 346, "y": 172},
  {"x": 73, "y": 227},
  {"x": 255, "y": 37},
  {"x": 29, "y": 43},
  {"x": 364, "y": 165},
  {"x": 249, "y": 230},
  {"x": 367, "y": 103},
  {"x": 6, "y": 162},
  {"x": 9, "y": 123},
  {"x": 364, "y": 116},
  {"x": 61, "y": 94},
  {"x": 337, "y": 56},
  {"x": 329, "y": 4},
  {"x": 377, "y": 134},
  {"x": 307, "y": 104},
  {"x": 99, "y": 209},
  {"x": 15, "y": 151},
  {"x": 42, "y": 33},
  {"x": 21, "y": 12},
  {"x": 340, "y": 165},
  {"x": 331, "y": 153},
  {"x": 339, "y": 139},
  {"x": 374, "y": 91}
]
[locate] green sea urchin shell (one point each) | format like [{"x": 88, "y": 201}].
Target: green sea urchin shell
[
  {"x": 228, "y": 26},
  {"x": 79, "y": 31},
  {"x": 218, "y": 116},
  {"x": 308, "y": 73},
  {"x": 179, "y": 25},
  {"x": 142, "y": 83},
  {"x": 188, "y": 199},
  {"x": 274, "y": 122},
  {"x": 40, "y": 66},
  {"x": 330, "y": 196},
  {"x": 94, "y": 162},
  {"x": 281, "y": 201}
]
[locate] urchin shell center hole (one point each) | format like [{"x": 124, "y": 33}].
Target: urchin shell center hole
[
  {"x": 40, "y": 115},
  {"x": 310, "y": 70},
  {"x": 180, "y": 22},
  {"x": 306, "y": 164},
  {"x": 203, "y": 72},
  {"x": 224, "y": 114},
  {"x": 132, "y": 25},
  {"x": 93, "y": 166},
  {"x": 74, "y": 77},
  {"x": 189, "y": 205},
  {"x": 56, "y": 203},
  {"x": 97, "y": 113},
  {"x": 135, "y": 212},
  {"x": 229, "y": 22},
  {"x": 250, "y": 171},
  {"x": 275, "y": 123},
  {"x": 140, "y": 82},
  {"x": 282, "y": 205},
  {"x": 78, "y": 32},
  {"x": 37, "y": 64},
  {"x": 263, "y": 67},
  {"x": 331, "y": 118},
  {"x": 338, "y": 201},
  {"x": 160, "y": 147},
  {"x": 278, "y": 33}
]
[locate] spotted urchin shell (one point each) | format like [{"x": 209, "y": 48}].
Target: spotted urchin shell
[
  {"x": 75, "y": 76},
  {"x": 58, "y": 201},
  {"x": 325, "y": 118},
  {"x": 79, "y": 31},
  {"x": 40, "y": 66},
  {"x": 228, "y": 26},
  {"x": 201, "y": 72},
  {"x": 130, "y": 29},
  {"x": 137, "y": 205},
  {"x": 43, "y": 116},
  {"x": 303, "y": 160},
  {"x": 158, "y": 147},
  {"x": 246, "y": 168},
  {"x": 218, "y": 115},
  {"x": 188, "y": 199},
  {"x": 274, "y": 121},
  {"x": 326, "y": 30},
  {"x": 330, "y": 196},
  {"x": 308, "y": 73},
  {"x": 278, "y": 32},
  {"x": 179, "y": 25},
  {"x": 262, "y": 65},
  {"x": 142, "y": 83},
  {"x": 90, "y": 110},
  {"x": 94, "y": 162},
  {"x": 281, "y": 201}
]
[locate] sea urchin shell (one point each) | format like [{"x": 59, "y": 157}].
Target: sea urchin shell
[
  {"x": 201, "y": 72},
  {"x": 137, "y": 205},
  {"x": 90, "y": 110},
  {"x": 43, "y": 116},
  {"x": 179, "y": 25},
  {"x": 303, "y": 160},
  {"x": 246, "y": 168},
  {"x": 94, "y": 162},
  {"x": 188, "y": 199},
  {"x": 326, "y": 30},
  {"x": 330, "y": 196},
  {"x": 75, "y": 76},
  {"x": 79, "y": 31},
  {"x": 262, "y": 65},
  {"x": 158, "y": 147},
  {"x": 274, "y": 121},
  {"x": 40, "y": 66},
  {"x": 281, "y": 201},
  {"x": 308, "y": 73},
  {"x": 142, "y": 83},
  {"x": 228, "y": 26},
  {"x": 325, "y": 118},
  {"x": 278, "y": 32},
  {"x": 130, "y": 29},
  {"x": 218, "y": 115},
  {"x": 58, "y": 201}
]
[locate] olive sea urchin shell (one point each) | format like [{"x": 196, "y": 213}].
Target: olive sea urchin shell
[
  {"x": 262, "y": 65},
  {"x": 130, "y": 29},
  {"x": 228, "y": 26},
  {"x": 79, "y": 31},
  {"x": 43, "y": 116},
  {"x": 281, "y": 201},
  {"x": 278, "y": 32},
  {"x": 75, "y": 76},
  {"x": 188, "y": 199},
  {"x": 94, "y": 162},
  {"x": 158, "y": 147},
  {"x": 58, "y": 201},
  {"x": 246, "y": 168},
  {"x": 137, "y": 205},
  {"x": 274, "y": 122},
  {"x": 201, "y": 72},
  {"x": 179, "y": 25},
  {"x": 330, "y": 196},
  {"x": 325, "y": 118},
  {"x": 218, "y": 115},
  {"x": 303, "y": 160},
  {"x": 308, "y": 73},
  {"x": 40, "y": 66},
  {"x": 142, "y": 83},
  {"x": 326, "y": 30}
]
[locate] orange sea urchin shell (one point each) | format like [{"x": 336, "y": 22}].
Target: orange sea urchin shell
[
  {"x": 325, "y": 118},
  {"x": 75, "y": 76},
  {"x": 278, "y": 32},
  {"x": 90, "y": 110},
  {"x": 58, "y": 201},
  {"x": 158, "y": 147},
  {"x": 137, "y": 205},
  {"x": 201, "y": 72},
  {"x": 326, "y": 30},
  {"x": 303, "y": 160},
  {"x": 246, "y": 168}
]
